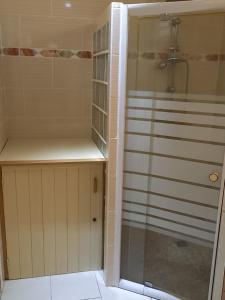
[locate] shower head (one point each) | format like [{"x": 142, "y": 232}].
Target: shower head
[{"x": 175, "y": 21}]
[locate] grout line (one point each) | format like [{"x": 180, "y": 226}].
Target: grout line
[
  {"x": 53, "y": 73},
  {"x": 87, "y": 21},
  {"x": 91, "y": 298},
  {"x": 51, "y": 8},
  {"x": 23, "y": 97},
  {"x": 51, "y": 287},
  {"x": 20, "y": 30},
  {"x": 98, "y": 284},
  {"x": 48, "y": 88}
]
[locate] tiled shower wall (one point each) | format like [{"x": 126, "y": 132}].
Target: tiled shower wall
[
  {"x": 47, "y": 50},
  {"x": 47, "y": 93},
  {"x": 149, "y": 45}
]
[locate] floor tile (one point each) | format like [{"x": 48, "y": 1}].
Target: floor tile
[
  {"x": 109, "y": 293},
  {"x": 81, "y": 286},
  {"x": 74, "y": 286},
  {"x": 27, "y": 289}
]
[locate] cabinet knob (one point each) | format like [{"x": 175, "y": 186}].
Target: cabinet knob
[
  {"x": 94, "y": 220},
  {"x": 214, "y": 177}
]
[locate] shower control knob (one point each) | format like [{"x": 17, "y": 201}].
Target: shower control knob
[{"x": 214, "y": 177}]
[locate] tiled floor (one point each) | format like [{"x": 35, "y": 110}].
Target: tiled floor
[
  {"x": 80, "y": 286},
  {"x": 179, "y": 267}
]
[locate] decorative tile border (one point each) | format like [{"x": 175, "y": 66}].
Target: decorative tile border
[
  {"x": 190, "y": 57},
  {"x": 86, "y": 54},
  {"x": 47, "y": 53},
  {"x": 10, "y": 51}
]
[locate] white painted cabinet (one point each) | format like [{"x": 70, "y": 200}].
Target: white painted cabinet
[{"x": 53, "y": 218}]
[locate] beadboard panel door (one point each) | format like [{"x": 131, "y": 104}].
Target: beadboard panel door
[{"x": 53, "y": 218}]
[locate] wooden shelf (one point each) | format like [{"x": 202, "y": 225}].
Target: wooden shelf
[{"x": 34, "y": 151}]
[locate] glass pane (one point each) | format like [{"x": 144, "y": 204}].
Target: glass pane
[{"x": 174, "y": 150}]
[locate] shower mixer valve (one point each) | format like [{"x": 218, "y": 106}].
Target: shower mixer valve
[{"x": 173, "y": 57}]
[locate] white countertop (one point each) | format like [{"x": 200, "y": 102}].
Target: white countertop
[{"x": 33, "y": 151}]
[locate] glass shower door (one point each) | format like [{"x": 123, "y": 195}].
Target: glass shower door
[{"x": 174, "y": 150}]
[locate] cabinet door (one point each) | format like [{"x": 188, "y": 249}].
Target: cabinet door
[
  {"x": 53, "y": 218},
  {"x": 90, "y": 218}
]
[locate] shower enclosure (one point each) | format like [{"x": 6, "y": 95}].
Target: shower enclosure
[{"x": 174, "y": 142}]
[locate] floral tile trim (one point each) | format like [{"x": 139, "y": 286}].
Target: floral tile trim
[
  {"x": 190, "y": 57},
  {"x": 48, "y": 53},
  {"x": 11, "y": 51}
]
